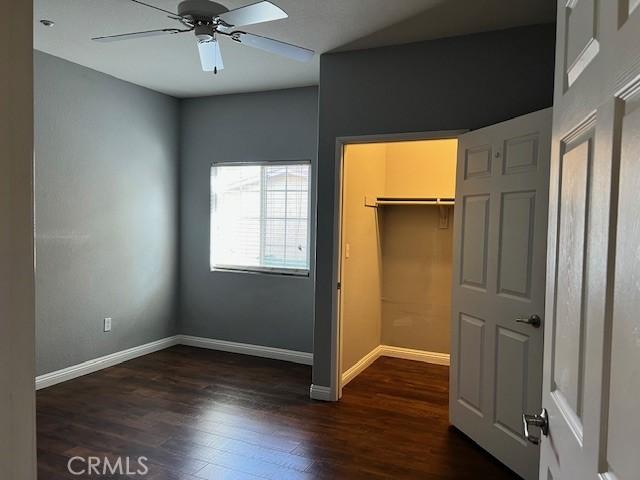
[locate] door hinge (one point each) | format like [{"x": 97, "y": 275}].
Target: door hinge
[{"x": 339, "y": 286}]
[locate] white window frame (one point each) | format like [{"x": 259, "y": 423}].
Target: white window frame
[{"x": 297, "y": 272}]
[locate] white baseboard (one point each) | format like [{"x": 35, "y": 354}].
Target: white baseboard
[
  {"x": 394, "y": 352},
  {"x": 417, "y": 355},
  {"x": 362, "y": 365},
  {"x": 317, "y": 392},
  {"x": 96, "y": 364},
  {"x": 248, "y": 349},
  {"x": 320, "y": 393}
]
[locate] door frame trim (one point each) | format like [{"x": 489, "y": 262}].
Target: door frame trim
[{"x": 335, "y": 385}]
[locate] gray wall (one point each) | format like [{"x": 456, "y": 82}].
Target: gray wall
[
  {"x": 106, "y": 195},
  {"x": 454, "y": 83},
  {"x": 271, "y": 310}
]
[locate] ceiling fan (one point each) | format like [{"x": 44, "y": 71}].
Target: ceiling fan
[{"x": 210, "y": 21}]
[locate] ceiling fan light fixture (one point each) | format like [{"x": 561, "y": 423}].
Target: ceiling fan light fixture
[
  {"x": 204, "y": 33},
  {"x": 210, "y": 56}
]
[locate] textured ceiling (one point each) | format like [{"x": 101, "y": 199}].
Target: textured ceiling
[
  {"x": 170, "y": 64},
  {"x": 459, "y": 17}
]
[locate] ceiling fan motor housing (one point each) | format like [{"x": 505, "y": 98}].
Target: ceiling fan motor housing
[
  {"x": 204, "y": 33},
  {"x": 203, "y": 10}
]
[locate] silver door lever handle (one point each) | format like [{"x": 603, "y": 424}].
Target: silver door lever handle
[
  {"x": 534, "y": 320},
  {"x": 541, "y": 421}
]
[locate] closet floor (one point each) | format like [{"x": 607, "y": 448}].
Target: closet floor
[{"x": 200, "y": 414}]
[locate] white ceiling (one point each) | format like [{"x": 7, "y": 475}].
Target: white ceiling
[{"x": 171, "y": 65}]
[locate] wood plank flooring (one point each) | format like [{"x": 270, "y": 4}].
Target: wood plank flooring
[{"x": 199, "y": 414}]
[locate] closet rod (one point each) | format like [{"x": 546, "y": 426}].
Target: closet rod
[{"x": 381, "y": 201}]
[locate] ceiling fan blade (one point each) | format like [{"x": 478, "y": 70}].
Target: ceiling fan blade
[
  {"x": 274, "y": 46},
  {"x": 256, "y": 13},
  {"x": 147, "y": 33},
  {"x": 155, "y": 8},
  {"x": 210, "y": 56}
]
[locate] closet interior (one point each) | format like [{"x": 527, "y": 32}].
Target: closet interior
[{"x": 396, "y": 252}]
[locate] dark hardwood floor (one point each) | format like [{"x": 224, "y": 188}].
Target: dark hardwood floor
[{"x": 201, "y": 414}]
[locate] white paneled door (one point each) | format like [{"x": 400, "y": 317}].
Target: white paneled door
[
  {"x": 499, "y": 285},
  {"x": 591, "y": 385}
]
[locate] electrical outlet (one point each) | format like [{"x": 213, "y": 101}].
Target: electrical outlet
[{"x": 107, "y": 324}]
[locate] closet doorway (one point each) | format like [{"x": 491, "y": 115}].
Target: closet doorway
[
  {"x": 396, "y": 250},
  {"x": 395, "y": 260}
]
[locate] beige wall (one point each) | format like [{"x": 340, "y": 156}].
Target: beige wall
[
  {"x": 417, "y": 255},
  {"x": 361, "y": 310},
  {"x": 421, "y": 168},
  {"x": 17, "y": 302},
  {"x": 416, "y": 290},
  {"x": 396, "y": 283}
]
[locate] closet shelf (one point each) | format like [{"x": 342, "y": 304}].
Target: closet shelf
[{"x": 382, "y": 201}]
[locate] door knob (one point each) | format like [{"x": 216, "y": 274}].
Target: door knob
[
  {"x": 534, "y": 320},
  {"x": 541, "y": 421}
]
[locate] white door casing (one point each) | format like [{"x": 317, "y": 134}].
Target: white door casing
[
  {"x": 335, "y": 390},
  {"x": 591, "y": 379},
  {"x": 17, "y": 291},
  {"x": 499, "y": 277}
]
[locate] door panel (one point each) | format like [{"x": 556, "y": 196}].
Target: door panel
[
  {"x": 515, "y": 253},
  {"x": 471, "y": 360},
  {"x": 477, "y": 162},
  {"x": 520, "y": 154},
  {"x": 569, "y": 334},
  {"x": 582, "y": 44},
  {"x": 500, "y": 237},
  {"x": 623, "y": 419},
  {"x": 571, "y": 229},
  {"x": 475, "y": 232},
  {"x": 512, "y": 361},
  {"x": 627, "y": 7}
]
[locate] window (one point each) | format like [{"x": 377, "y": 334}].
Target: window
[{"x": 260, "y": 217}]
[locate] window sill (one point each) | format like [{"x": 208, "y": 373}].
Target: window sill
[{"x": 283, "y": 272}]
